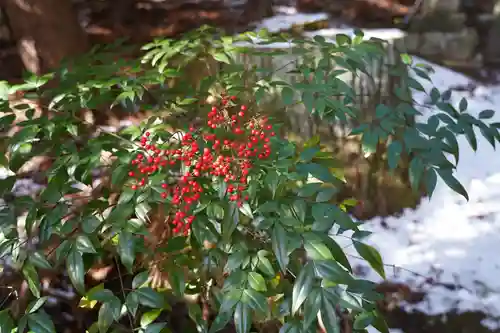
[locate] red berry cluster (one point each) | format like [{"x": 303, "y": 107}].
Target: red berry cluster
[{"x": 232, "y": 141}]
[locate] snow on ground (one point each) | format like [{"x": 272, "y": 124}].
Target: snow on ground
[{"x": 453, "y": 241}]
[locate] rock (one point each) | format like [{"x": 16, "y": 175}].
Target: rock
[
  {"x": 447, "y": 6},
  {"x": 454, "y": 46}
]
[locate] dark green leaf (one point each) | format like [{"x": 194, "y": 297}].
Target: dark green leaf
[
  {"x": 329, "y": 315},
  {"x": 312, "y": 306},
  {"x": 38, "y": 260},
  {"x": 332, "y": 271},
  {"x": 150, "y": 298},
  {"x": 486, "y": 114},
  {"x": 256, "y": 281},
  {"x": 36, "y": 304},
  {"x": 140, "y": 279},
  {"x": 255, "y": 300},
  {"x": 105, "y": 317},
  {"x": 363, "y": 320},
  {"x": 242, "y": 318},
  {"x": 155, "y": 328},
  {"x": 452, "y": 182},
  {"x": 177, "y": 280},
  {"x": 84, "y": 245},
  {"x": 149, "y": 317},
  {"x": 40, "y": 323},
  {"x": 463, "y": 105},
  {"x": 126, "y": 249},
  {"x": 279, "y": 242},
  {"x": 315, "y": 248},
  {"x": 372, "y": 256},
  {"x": 31, "y": 276},
  {"x": 6, "y": 322},
  {"x": 302, "y": 286},
  {"x": 393, "y": 154},
  {"x": 74, "y": 266},
  {"x": 326, "y": 194}
]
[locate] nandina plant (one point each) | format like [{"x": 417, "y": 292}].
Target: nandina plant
[{"x": 204, "y": 198}]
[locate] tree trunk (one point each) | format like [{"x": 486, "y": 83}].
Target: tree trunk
[{"x": 46, "y": 31}]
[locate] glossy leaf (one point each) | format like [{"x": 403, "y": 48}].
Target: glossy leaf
[
  {"x": 302, "y": 286},
  {"x": 372, "y": 256},
  {"x": 242, "y": 318}
]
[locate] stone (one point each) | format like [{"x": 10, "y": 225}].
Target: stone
[
  {"x": 460, "y": 46},
  {"x": 446, "y": 6}
]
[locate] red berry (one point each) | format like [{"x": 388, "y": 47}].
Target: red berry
[
  {"x": 134, "y": 187},
  {"x": 241, "y": 113},
  {"x": 243, "y": 108},
  {"x": 147, "y": 134},
  {"x": 131, "y": 174}
]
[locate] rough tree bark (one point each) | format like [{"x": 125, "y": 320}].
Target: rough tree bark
[{"x": 47, "y": 31}]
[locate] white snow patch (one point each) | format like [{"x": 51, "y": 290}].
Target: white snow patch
[{"x": 278, "y": 23}]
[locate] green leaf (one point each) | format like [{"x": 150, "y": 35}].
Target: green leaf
[
  {"x": 105, "y": 317},
  {"x": 38, "y": 260},
  {"x": 155, "y": 328},
  {"x": 326, "y": 194},
  {"x": 220, "y": 321},
  {"x": 242, "y": 318},
  {"x": 486, "y": 114},
  {"x": 453, "y": 183},
  {"x": 317, "y": 171},
  {"x": 287, "y": 95},
  {"x": 36, "y": 304},
  {"x": 335, "y": 249},
  {"x": 256, "y": 281},
  {"x": 75, "y": 268},
  {"x": 407, "y": 59},
  {"x": 342, "y": 39},
  {"x": 463, "y": 105},
  {"x": 177, "y": 280},
  {"x": 222, "y": 57},
  {"x": 126, "y": 249},
  {"x": 149, "y": 317},
  {"x": 132, "y": 303},
  {"x": 332, "y": 271},
  {"x": 312, "y": 306},
  {"x": 380, "y": 324},
  {"x": 84, "y": 245},
  {"x": 302, "y": 286},
  {"x": 430, "y": 181},
  {"x": 150, "y": 298},
  {"x": 315, "y": 248},
  {"x": 279, "y": 242},
  {"x": 40, "y": 323},
  {"x": 394, "y": 154},
  {"x": 90, "y": 224},
  {"x": 246, "y": 210},
  {"x": 329, "y": 315},
  {"x": 363, "y": 320},
  {"x": 140, "y": 280},
  {"x": 372, "y": 256},
  {"x": 6, "y": 322},
  {"x": 415, "y": 171},
  {"x": 309, "y": 189},
  {"x": 255, "y": 300},
  {"x": 31, "y": 276},
  {"x": 175, "y": 244},
  {"x": 231, "y": 220}
]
